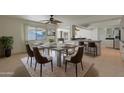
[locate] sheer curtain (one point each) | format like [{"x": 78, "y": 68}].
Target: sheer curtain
[{"x": 35, "y": 35}]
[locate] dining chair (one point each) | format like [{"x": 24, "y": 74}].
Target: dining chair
[
  {"x": 41, "y": 59},
  {"x": 69, "y": 50},
  {"x": 75, "y": 59},
  {"x": 92, "y": 48},
  {"x": 81, "y": 43},
  {"x": 30, "y": 53}
]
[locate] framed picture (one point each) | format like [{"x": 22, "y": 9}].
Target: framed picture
[{"x": 109, "y": 33}]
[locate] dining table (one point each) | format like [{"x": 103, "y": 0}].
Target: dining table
[{"x": 59, "y": 49}]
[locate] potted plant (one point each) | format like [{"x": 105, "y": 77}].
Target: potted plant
[
  {"x": 51, "y": 40},
  {"x": 7, "y": 45}
]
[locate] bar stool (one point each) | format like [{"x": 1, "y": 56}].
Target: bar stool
[{"x": 92, "y": 48}]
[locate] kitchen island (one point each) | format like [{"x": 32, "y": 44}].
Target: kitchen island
[
  {"x": 97, "y": 42},
  {"x": 122, "y": 49}
]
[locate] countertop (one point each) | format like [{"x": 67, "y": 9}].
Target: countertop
[{"x": 88, "y": 40}]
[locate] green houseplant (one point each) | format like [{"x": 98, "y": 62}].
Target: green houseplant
[
  {"x": 51, "y": 40},
  {"x": 7, "y": 45}
]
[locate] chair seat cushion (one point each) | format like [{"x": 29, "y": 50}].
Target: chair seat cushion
[
  {"x": 70, "y": 52},
  {"x": 48, "y": 57},
  {"x": 68, "y": 58}
]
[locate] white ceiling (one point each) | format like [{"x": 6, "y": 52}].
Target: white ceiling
[{"x": 67, "y": 20}]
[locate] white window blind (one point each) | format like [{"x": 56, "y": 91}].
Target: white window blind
[{"x": 35, "y": 33}]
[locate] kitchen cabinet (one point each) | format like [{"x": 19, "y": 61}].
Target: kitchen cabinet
[{"x": 122, "y": 49}]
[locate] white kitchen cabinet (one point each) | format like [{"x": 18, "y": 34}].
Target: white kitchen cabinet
[
  {"x": 122, "y": 49},
  {"x": 109, "y": 43}
]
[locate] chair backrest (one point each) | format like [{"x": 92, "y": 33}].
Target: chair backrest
[
  {"x": 29, "y": 51},
  {"x": 81, "y": 43},
  {"x": 91, "y": 44},
  {"x": 79, "y": 55},
  {"x": 39, "y": 58}
]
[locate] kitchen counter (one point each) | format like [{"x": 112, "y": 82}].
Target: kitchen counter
[
  {"x": 97, "y": 42},
  {"x": 122, "y": 49},
  {"x": 88, "y": 40}
]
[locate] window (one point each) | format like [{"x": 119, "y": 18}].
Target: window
[
  {"x": 35, "y": 33},
  {"x": 66, "y": 35}
]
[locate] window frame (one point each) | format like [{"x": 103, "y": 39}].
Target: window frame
[{"x": 36, "y": 29}]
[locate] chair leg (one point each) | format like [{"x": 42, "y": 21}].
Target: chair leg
[
  {"x": 96, "y": 51},
  {"x": 76, "y": 70},
  {"x": 27, "y": 59},
  {"x": 41, "y": 70},
  {"x": 43, "y": 51},
  {"x": 63, "y": 59},
  {"x": 82, "y": 65},
  {"x": 65, "y": 65},
  {"x": 52, "y": 65},
  {"x": 35, "y": 66},
  {"x": 90, "y": 51},
  {"x": 31, "y": 62}
]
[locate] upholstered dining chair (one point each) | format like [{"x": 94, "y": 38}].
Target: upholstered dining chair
[
  {"x": 75, "y": 59},
  {"x": 30, "y": 53},
  {"x": 69, "y": 51},
  {"x": 41, "y": 59},
  {"x": 92, "y": 48},
  {"x": 81, "y": 43}
]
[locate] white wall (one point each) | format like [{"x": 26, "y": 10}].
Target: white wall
[
  {"x": 86, "y": 33},
  {"x": 101, "y": 33},
  {"x": 122, "y": 28},
  {"x": 15, "y": 27},
  {"x": 83, "y": 33},
  {"x": 10, "y": 27},
  {"x": 102, "y": 36},
  {"x": 94, "y": 34}
]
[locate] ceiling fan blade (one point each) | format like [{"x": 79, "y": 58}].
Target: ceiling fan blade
[
  {"x": 53, "y": 22},
  {"x": 47, "y": 22},
  {"x": 44, "y": 21},
  {"x": 57, "y": 21}
]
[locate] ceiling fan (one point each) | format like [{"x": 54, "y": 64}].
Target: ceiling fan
[{"x": 51, "y": 21}]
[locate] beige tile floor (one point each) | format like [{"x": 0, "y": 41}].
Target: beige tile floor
[
  {"x": 109, "y": 64},
  {"x": 13, "y": 65}
]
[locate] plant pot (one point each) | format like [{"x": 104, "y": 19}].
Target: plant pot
[{"x": 7, "y": 52}]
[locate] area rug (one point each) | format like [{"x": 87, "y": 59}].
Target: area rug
[
  {"x": 57, "y": 71},
  {"x": 6, "y": 74}
]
